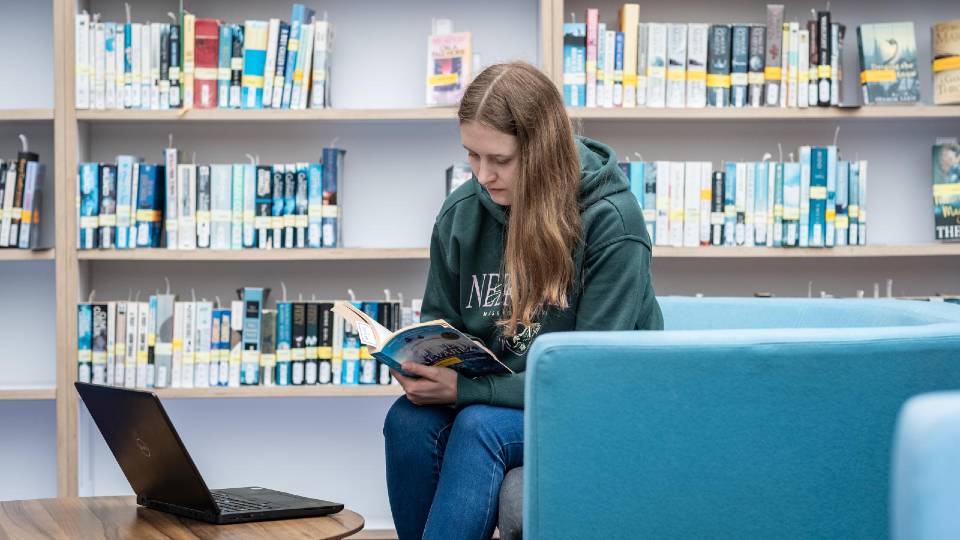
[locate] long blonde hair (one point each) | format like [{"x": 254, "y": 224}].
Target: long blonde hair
[{"x": 544, "y": 220}]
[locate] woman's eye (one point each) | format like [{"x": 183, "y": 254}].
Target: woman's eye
[
  {"x": 502, "y": 161},
  {"x": 471, "y": 155}
]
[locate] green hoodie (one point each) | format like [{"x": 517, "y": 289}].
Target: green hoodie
[{"x": 465, "y": 285}]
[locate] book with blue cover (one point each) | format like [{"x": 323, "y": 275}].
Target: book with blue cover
[
  {"x": 149, "y": 205},
  {"x": 946, "y": 190},
  {"x": 888, "y": 63},
  {"x": 254, "y": 62},
  {"x": 434, "y": 343},
  {"x": 333, "y": 159},
  {"x": 225, "y": 46},
  {"x": 89, "y": 192},
  {"x": 574, "y": 64}
]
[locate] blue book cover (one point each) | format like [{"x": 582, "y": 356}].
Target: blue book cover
[
  {"x": 254, "y": 63},
  {"x": 853, "y": 205},
  {"x": 618, "y": 69},
  {"x": 89, "y": 205},
  {"x": 84, "y": 343},
  {"x": 264, "y": 206},
  {"x": 635, "y": 172},
  {"x": 128, "y": 65},
  {"x": 299, "y": 15},
  {"x": 650, "y": 198},
  {"x": 315, "y": 205},
  {"x": 284, "y": 336},
  {"x": 791, "y": 203},
  {"x": 279, "y": 203},
  {"x": 888, "y": 59},
  {"x": 804, "y": 229},
  {"x": 730, "y": 204},
  {"x": 841, "y": 221},
  {"x": 718, "y": 67},
  {"x": 276, "y": 90},
  {"x": 302, "y": 205},
  {"x": 223, "y": 65},
  {"x": 574, "y": 64},
  {"x": 778, "y": 206},
  {"x": 818, "y": 196},
  {"x": 108, "y": 205},
  {"x": 125, "y": 234},
  {"x": 250, "y": 336},
  {"x": 946, "y": 191},
  {"x": 332, "y": 183},
  {"x": 368, "y": 364},
  {"x": 289, "y": 205},
  {"x": 350, "y": 366},
  {"x": 739, "y": 65},
  {"x": 831, "y": 213},
  {"x": 149, "y": 205}
]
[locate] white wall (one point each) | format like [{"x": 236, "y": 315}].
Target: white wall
[
  {"x": 26, "y": 54},
  {"x": 28, "y": 450}
]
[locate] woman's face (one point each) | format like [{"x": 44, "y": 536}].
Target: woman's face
[{"x": 493, "y": 159}]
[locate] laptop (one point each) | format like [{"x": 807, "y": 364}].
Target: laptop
[{"x": 161, "y": 472}]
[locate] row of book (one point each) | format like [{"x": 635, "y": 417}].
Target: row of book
[
  {"x": 817, "y": 201},
  {"x": 166, "y": 342},
  {"x": 21, "y": 183},
  {"x": 778, "y": 64},
  {"x": 129, "y": 204},
  {"x": 203, "y": 63}
]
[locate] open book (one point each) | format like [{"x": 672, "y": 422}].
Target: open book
[{"x": 433, "y": 343}]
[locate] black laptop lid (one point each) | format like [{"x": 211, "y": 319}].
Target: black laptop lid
[{"x": 145, "y": 444}]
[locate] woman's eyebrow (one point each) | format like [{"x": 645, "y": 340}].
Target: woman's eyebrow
[{"x": 498, "y": 156}]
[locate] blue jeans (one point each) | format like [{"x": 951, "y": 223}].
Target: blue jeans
[{"x": 445, "y": 467}]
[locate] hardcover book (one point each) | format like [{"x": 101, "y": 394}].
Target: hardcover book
[
  {"x": 946, "y": 191},
  {"x": 946, "y": 62},
  {"x": 888, "y": 63},
  {"x": 449, "y": 63}
]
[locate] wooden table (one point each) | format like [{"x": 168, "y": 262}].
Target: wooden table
[{"x": 120, "y": 518}]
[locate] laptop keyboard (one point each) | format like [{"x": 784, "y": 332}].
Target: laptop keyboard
[{"x": 228, "y": 503}]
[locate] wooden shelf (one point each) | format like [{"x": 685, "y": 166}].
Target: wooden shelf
[
  {"x": 11, "y": 254},
  {"x": 913, "y": 112},
  {"x": 25, "y": 115},
  {"x": 318, "y": 390},
  {"x": 27, "y": 393},
  {"x": 255, "y": 255},
  {"x": 270, "y": 115},
  {"x": 846, "y": 252}
]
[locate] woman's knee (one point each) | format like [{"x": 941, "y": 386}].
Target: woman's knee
[{"x": 400, "y": 418}]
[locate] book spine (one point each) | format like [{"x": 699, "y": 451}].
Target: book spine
[
  {"x": 676, "y": 65},
  {"x": 368, "y": 364},
  {"x": 804, "y": 230},
  {"x": 99, "y": 343},
  {"x": 297, "y": 347},
  {"x": 301, "y": 74},
  {"x": 774, "y": 59},
  {"x": 163, "y": 80},
  {"x": 333, "y": 171},
  {"x": 314, "y": 206},
  {"x": 791, "y": 203},
  {"x": 825, "y": 49},
  {"x": 777, "y": 235},
  {"x": 279, "y": 202},
  {"x": 234, "y": 344},
  {"x": 282, "y": 42},
  {"x": 131, "y": 66},
  {"x": 253, "y": 298},
  {"x": 249, "y": 205},
  {"x": 120, "y": 346},
  {"x": 169, "y": 340},
  {"x": 85, "y": 343},
  {"x": 82, "y": 61},
  {"x": 591, "y": 59},
  {"x": 706, "y": 172},
  {"x": 803, "y": 69},
  {"x": 656, "y": 65},
  {"x": 740, "y": 232},
  {"x": 635, "y": 172},
  {"x": 697, "y": 39},
  {"x": 601, "y": 63},
  {"x": 187, "y": 213},
  {"x": 739, "y": 65},
  {"x": 171, "y": 202},
  {"x": 254, "y": 63},
  {"x": 173, "y": 73},
  {"x": 650, "y": 199},
  {"x": 862, "y": 221},
  {"x": 842, "y": 219},
  {"x": 110, "y": 66},
  {"x": 238, "y": 179},
  {"x": 325, "y": 343},
  {"x": 125, "y": 166},
  {"x": 663, "y": 204},
  {"x": 761, "y": 204},
  {"x": 264, "y": 206},
  {"x": 289, "y": 205},
  {"x": 574, "y": 64},
  {"x": 785, "y": 72},
  {"x": 818, "y": 171},
  {"x": 32, "y": 196},
  {"x": 691, "y": 206},
  {"x": 609, "y": 66},
  {"x": 190, "y": 62},
  {"x": 284, "y": 335},
  {"x": 206, "y": 91},
  {"x": 302, "y": 205},
  {"x": 629, "y": 21},
  {"x": 755, "y": 77},
  {"x": 717, "y": 207},
  {"x": 143, "y": 346},
  {"x": 718, "y": 66},
  {"x": 99, "y": 66},
  {"x": 270, "y": 61},
  {"x": 108, "y": 205},
  {"x": 89, "y": 207},
  {"x": 236, "y": 65},
  {"x": 223, "y": 350},
  {"x": 677, "y": 171},
  {"x": 203, "y": 340},
  {"x": 146, "y": 46},
  {"x": 750, "y": 196},
  {"x": 643, "y": 42},
  {"x": 793, "y": 56},
  {"x": 813, "y": 62},
  {"x": 156, "y": 41},
  {"x": 830, "y": 215},
  {"x": 837, "y": 32},
  {"x": 293, "y": 47},
  {"x": 311, "y": 340},
  {"x": 319, "y": 93},
  {"x": 730, "y": 205},
  {"x": 268, "y": 347},
  {"x": 203, "y": 191},
  {"x": 224, "y": 58},
  {"x": 8, "y": 183},
  {"x": 188, "y": 353},
  {"x": 150, "y": 371},
  {"x": 618, "y": 70},
  {"x": 132, "y": 335},
  {"x": 111, "y": 322}
]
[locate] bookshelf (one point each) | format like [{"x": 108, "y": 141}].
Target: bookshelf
[{"x": 380, "y": 120}]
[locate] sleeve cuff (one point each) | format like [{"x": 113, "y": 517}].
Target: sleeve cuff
[{"x": 473, "y": 390}]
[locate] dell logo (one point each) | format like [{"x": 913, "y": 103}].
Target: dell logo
[{"x": 143, "y": 447}]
